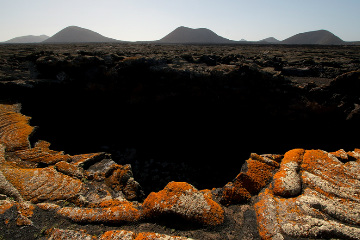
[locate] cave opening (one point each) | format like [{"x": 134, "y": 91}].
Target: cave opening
[
  {"x": 201, "y": 142},
  {"x": 172, "y": 126}
]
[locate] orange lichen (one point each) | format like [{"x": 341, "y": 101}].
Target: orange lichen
[
  {"x": 60, "y": 234},
  {"x": 263, "y": 217},
  {"x": 285, "y": 181},
  {"x": 118, "y": 234},
  {"x": 48, "y": 206},
  {"x": 14, "y": 131},
  {"x": 126, "y": 212},
  {"x": 23, "y": 221},
  {"x": 355, "y": 154},
  {"x": 42, "y": 154},
  {"x": 330, "y": 190},
  {"x": 82, "y": 159},
  {"x": 25, "y": 209},
  {"x": 184, "y": 200},
  {"x": 4, "y": 108},
  {"x": 259, "y": 174},
  {"x": 234, "y": 193},
  {"x": 69, "y": 169},
  {"x": 42, "y": 184},
  {"x": 332, "y": 170},
  {"x": 156, "y": 236},
  {"x": 5, "y": 205},
  {"x": 278, "y": 186},
  {"x": 109, "y": 203},
  {"x": 118, "y": 176},
  {"x": 340, "y": 154},
  {"x": 295, "y": 155}
]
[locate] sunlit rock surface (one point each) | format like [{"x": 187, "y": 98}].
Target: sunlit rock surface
[{"x": 315, "y": 194}]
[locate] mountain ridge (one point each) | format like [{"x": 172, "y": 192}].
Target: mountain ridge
[
  {"x": 187, "y": 35},
  {"x": 182, "y": 35},
  {"x": 75, "y": 34},
  {"x": 319, "y": 37},
  {"x": 28, "y": 39},
  {"x": 270, "y": 40}
]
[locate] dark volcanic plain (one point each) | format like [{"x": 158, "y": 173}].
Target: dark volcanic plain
[{"x": 189, "y": 113}]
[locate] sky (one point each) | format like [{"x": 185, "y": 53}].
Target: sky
[{"x": 143, "y": 20}]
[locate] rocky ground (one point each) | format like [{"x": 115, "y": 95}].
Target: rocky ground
[{"x": 166, "y": 131}]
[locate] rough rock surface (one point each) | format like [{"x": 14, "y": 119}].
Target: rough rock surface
[
  {"x": 184, "y": 200},
  {"x": 110, "y": 235},
  {"x": 313, "y": 195}
]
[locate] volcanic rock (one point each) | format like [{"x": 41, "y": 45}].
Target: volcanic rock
[
  {"x": 258, "y": 172},
  {"x": 184, "y": 200},
  {"x": 313, "y": 195},
  {"x": 109, "y": 235},
  {"x": 302, "y": 194}
]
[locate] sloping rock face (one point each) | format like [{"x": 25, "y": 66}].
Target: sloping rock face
[{"x": 315, "y": 194}]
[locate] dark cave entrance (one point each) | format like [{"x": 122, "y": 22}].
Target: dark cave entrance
[
  {"x": 201, "y": 142},
  {"x": 197, "y": 143}
]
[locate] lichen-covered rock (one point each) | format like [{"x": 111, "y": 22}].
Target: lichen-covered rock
[
  {"x": 120, "y": 178},
  {"x": 55, "y": 175},
  {"x": 157, "y": 236},
  {"x": 69, "y": 169},
  {"x": 124, "y": 212},
  {"x": 118, "y": 234},
  {"x": 287, "y": 182},
  {"x": 42, "y": 154},
  {"x": 184, "y": 200},
  {"x": 14, "y": 128},
  {"x": 127, "y": 235},
  {"x": 259, "y": 170},
  {"x": 62, "y": 234},
  {"x": 42, "y": 184},
  {"x": 308, "y": 193},
  {"x": 328, "y": 205}
]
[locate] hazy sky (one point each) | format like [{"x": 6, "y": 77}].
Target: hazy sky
[{"x": 152, "y": 19}]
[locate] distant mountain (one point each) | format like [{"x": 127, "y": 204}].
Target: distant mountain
[
  {"x": 75, "y": 34},
  {"x": 28, "y": 39},
  {"x": 270, "y": 40},
  {"x": 185, "y": 35},
  {"x": 322, "y": 37}
]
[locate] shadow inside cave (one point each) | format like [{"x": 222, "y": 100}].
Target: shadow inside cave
[{"x": 201, "y": 142}]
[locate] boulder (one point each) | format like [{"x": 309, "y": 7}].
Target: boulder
[
  {"x": 258, "y": 170},
  {"x": 184, "y": 200},
  {"x": 314, "y": 195}
]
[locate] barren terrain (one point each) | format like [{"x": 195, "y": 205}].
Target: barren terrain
[{"x": 183, "y": 113}]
